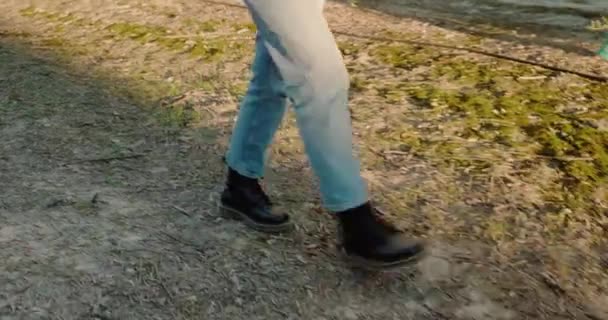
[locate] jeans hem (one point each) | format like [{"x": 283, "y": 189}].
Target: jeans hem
[
  {"x": 339, "y": 207},
  {"x": 243, "y": 171}
]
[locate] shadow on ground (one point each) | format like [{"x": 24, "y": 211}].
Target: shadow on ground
[
  {"x": 107, "y": 214},
  {"x": 108, "y": 190}
]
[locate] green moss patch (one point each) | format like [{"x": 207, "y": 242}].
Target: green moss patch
[{"x": 493, "y": 104}]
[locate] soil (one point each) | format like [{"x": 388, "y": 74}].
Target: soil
[{"x": 115, "y": 115}]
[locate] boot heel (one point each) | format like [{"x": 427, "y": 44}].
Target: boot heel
[
  {"x": 228, "y": 213},
  {"x": 223, "y": 211}
]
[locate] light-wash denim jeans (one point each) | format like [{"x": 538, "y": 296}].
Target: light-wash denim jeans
[{"x": 297, "y": 59}]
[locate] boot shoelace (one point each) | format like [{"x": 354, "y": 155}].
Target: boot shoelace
[
  {"x": 379, "y": 216},
  {"x": 261, "y": 194}
]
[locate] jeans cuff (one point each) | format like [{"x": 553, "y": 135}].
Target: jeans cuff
[
  {"x": 243, "y": 170},
  {"x": 339, "y": 207}
]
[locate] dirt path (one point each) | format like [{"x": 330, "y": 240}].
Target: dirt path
[
  {"x": 106, "y": 207},
  {"x": 87, "y": 238}
]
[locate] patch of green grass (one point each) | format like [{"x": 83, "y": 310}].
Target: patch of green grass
[
  {"x": 205, "y": 26},
  {"x": 177, "y": 116},
  {"x": 405, "y": 56},
  {"x": 599, "y": 24},
  {"x": 215, "y": 49},
  {"x": 52, "y": 16},
  {"x": 208, "y": 48},
  {"x": 211, "y": 49},
  {"x": 358, "y": 83},
  {"x": 487, "y": 103},
  {"x": 136, "y": 87},
  {"x": 28, "y": 12},
  {"x": 153, "y": 94},
  {"x": 238, "y": 89},
  {"x": 349, "y": 48},
  {"x": 139, "y": 32},
  {"x": 249, "y": 26},
  {"x": 53, "y": 42}
]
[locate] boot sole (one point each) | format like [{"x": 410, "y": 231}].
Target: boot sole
[
  {"x": 372, "y": 265},
  {"x": 234, "y": 214}
]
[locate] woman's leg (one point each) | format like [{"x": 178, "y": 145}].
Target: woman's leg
[
  {"x": 315, "y": 79},
  {"x": 260, "y": 114}
]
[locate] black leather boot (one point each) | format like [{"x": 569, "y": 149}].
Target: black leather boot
[
  {"x": 245, "y": 200},
  {"x": 373, "y": 243}
]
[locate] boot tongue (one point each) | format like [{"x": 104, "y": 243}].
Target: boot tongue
[
  {"x": 367, "y": 215},
  {"x": 250, "y": 186},
  {"x": 366, "y": 220},
  {"x": 255, "y": 193},
  {"x": 261, "y": 194}
]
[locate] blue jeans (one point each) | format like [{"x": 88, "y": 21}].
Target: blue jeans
[{"x": 297, "y": 59}]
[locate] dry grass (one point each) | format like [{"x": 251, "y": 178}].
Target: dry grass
[{"x": 113, "y": 123}]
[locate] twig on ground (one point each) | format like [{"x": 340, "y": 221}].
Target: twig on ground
[
  {"x": 378, "y": 153},
  {"x": 436, "y": 314},
  {"x": 275, "y": 308},
  {"x": 458, "y": 48},
  {"x": 532, "y": 78},
  {"x": 480, "y": 52},
  {"x": 592, "y": 316},
  {"x": 166, "y": 290},
  {"x": 159, "y": 252},
  {"x": 101, "y": 316},
  {"x": 396, "y": 152},
  {"x": 182, "y": 211},
  {"x": 184, "y": 242},
  {"x": 112, "y": 158}
]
